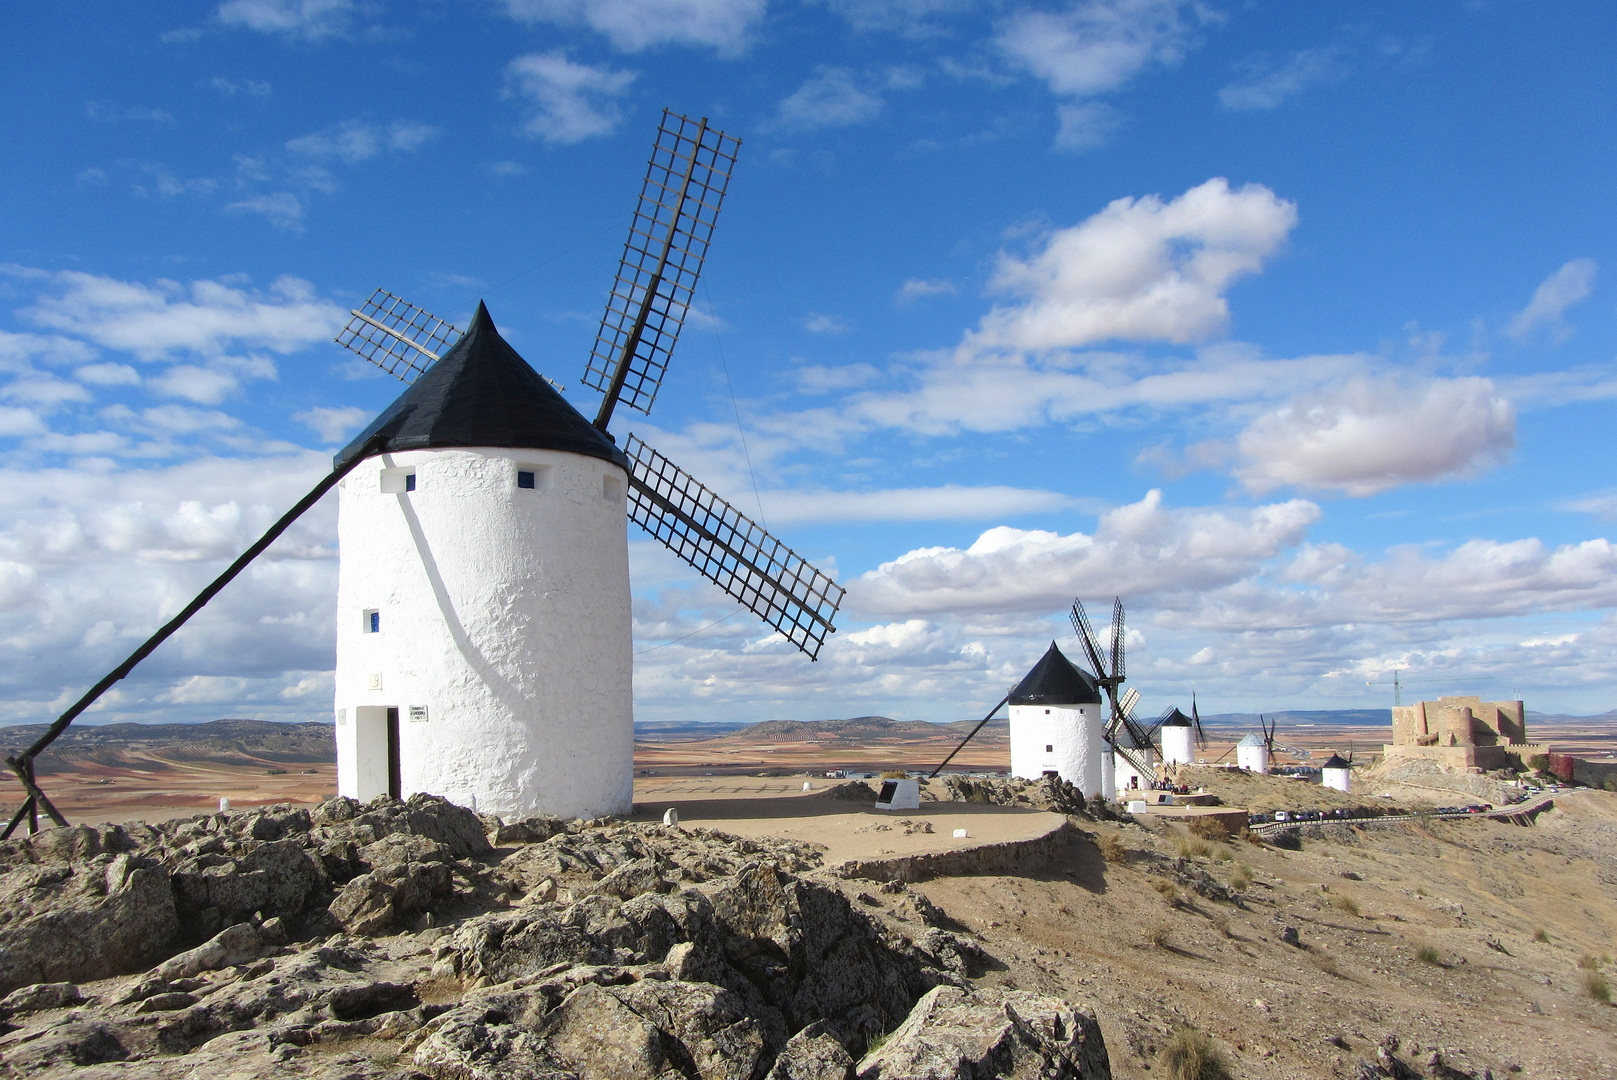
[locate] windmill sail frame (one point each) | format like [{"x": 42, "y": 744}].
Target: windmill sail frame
[
  {"x": 673, "y": 223},
  {"x": 730, "y": 549},
  {"x": 395, "y": 335}
]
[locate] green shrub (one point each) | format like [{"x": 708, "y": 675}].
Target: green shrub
[
  {"x": 1190, "y": 1055},
  {"x": 1539, "y": 763}
]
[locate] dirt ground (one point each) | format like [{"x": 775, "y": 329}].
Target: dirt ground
[{"x": 1507, "y": 912}]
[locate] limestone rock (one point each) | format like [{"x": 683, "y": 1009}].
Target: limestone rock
[
  {"x": 40, "y": 996},
  {"x": 974, "y": 1035},
  {"x": 234, "y": 945},
  {"x": 812, "y": 1054},
  {"x": 110, "y": 915}
]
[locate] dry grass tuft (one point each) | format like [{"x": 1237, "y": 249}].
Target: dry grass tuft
[
  {"x": 1190, "y": 848},
  {"x": 1157, "y": 936},
  {"x": 1542, "y": 935},
  {"x": 1241, "y": 877},
  {"x": 1190, "y": 1055},
  {"x": 1589, "y": 963},
  {"x": 1169, "y": 891},
  {"x": 1208, "y": 828},
  {"x": 1596, "y": 986},
  {"x": 1426, "y": 954},
  {"x": 1111, "y": 848},
  {"x": 895, "y": 774},
  {"x": 1345, "y": 904}
]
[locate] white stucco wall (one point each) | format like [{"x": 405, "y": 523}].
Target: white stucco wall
[
  {"x": 1178, "y": 745},
  {"x": 1335, "y": 778},
  {"x": 1073, "y": 733},
  {"x": 1108, "y": 773},
  {"x": 504, "y": 614},
  {"x": 1255, "y": 758},
  {"x": 1124, "y": 771}
]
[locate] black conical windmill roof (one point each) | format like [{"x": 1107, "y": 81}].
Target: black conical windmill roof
[
  {"x": 1177, "y": 719},
  {"x": 1055, "y": 680},
  {"x": 482, "y": 393},
  {"x": 1337, "y": 762}
]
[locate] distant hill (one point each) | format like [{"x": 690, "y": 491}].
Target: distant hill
[
  {"x": 1331, "y": 717},
  {"x": 857, "y": 729},
  {"x": 222, "y": 742},
  {"x": 684, "y": 730}
]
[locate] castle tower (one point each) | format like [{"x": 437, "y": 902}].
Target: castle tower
[
  {"x": 1056, "y": 724},
  {"x": 483, "y": 621}
]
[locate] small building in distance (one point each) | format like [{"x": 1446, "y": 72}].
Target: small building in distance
[
  {"x": 1463, "y": 733},
  {"x": 1337, "y": 773},
  {"x": 1178, "y": 735}
]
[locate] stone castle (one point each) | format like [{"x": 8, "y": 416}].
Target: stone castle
[{"x": 1463, "y": 733}]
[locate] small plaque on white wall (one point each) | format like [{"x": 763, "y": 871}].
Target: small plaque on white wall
[
  {"x": 418, "y": 714},
  {"x": 374, "y": 680},
  {"x": 342, "y": 717}
]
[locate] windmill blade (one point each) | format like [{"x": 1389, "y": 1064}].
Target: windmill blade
[
  {"x": 1156, "y": 725},
  {"x": 730, "y": 550},
  {"x": 1196, "y": 718},
  {"x": 397, "y": 336},
  {"x": 1119, "y": 634},
  {"x": 1131, "y": 698},
  {"x": 668, "y": 238},
  {"x": 1086, "y": 635},
  {"x": 1141, "y": 767}
]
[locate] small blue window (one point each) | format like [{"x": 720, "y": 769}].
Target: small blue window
[
  {"x": 376, "y": 622},
  {"x": 524, "y": 479},
  {"x": 409, "y": 481}
]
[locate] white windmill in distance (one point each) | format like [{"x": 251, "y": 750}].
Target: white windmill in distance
[{"x": 483, "y": 594}]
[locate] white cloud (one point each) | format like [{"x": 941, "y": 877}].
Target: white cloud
[
  {"x": 1096, "y": 47},
  {"x": 1602, "y": 504},
  {"x": 834, "y": 97},
  {"x": 1085, "y": 124},
  {"x": 816, "y": 323},
  {"x": 913, "y": 18},
  {"x": 15, "y": 422},
  {"x": 1368, "y": 435},
  {"x": 333, "y": 425},
  {"x": 1562, "y": 289},
  {"x": 569, "y": 102},
  {"x": 312, "y": 20},
  {"x": 93, "y": 561},
  {"x": 950, "y": 502},
  {"x": 205, "y": 386},
  {"x": 1267, "y": 87},
  {"x": 1139, "y": 270},
  {"x": 918, "y": 288},
  {"x": 817, "y": 379},
  {"x": 353, "y": 141},
  {"x": 633, "y": 25},
  {"x": 205, "y": 317},
  {"x": 232, "y": 87},
  {"x": 1142, "y": 549},
  {"x": 281, "y": 209},
  {"x": 108, "y": 375},
  {"x": 108, "y": 113}
]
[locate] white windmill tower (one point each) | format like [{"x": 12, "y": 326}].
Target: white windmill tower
[
  {"x": 1254, "y": 752},
  {"x": 1337, "y": 772},
  {"x": 1178, "y": 734},
  {"x": 1057, "y": 724},
  {"x": 484, "y": 645}
]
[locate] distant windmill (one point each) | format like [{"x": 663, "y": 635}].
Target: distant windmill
[
  {"x": 483, "y": 592},
  {"x": 1255, "y": 751}
]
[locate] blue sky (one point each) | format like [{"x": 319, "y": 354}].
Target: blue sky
[{"x": 1293, "y": 324}]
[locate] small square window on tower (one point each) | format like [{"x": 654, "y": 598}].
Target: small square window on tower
[
  {"x": 372, "y": 623},
  {"x": 612, "y": 488},
  {"x": 1049, "y": 748},
  {"x": 533, "y": 477},
  {"x": 398, "y": 481},
  {"x": 524, "y": 478}
]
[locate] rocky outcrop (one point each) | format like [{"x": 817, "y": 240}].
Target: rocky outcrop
[
  {"x": 572, "y": 950},
  {"x": 984, "y": 1034}
]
